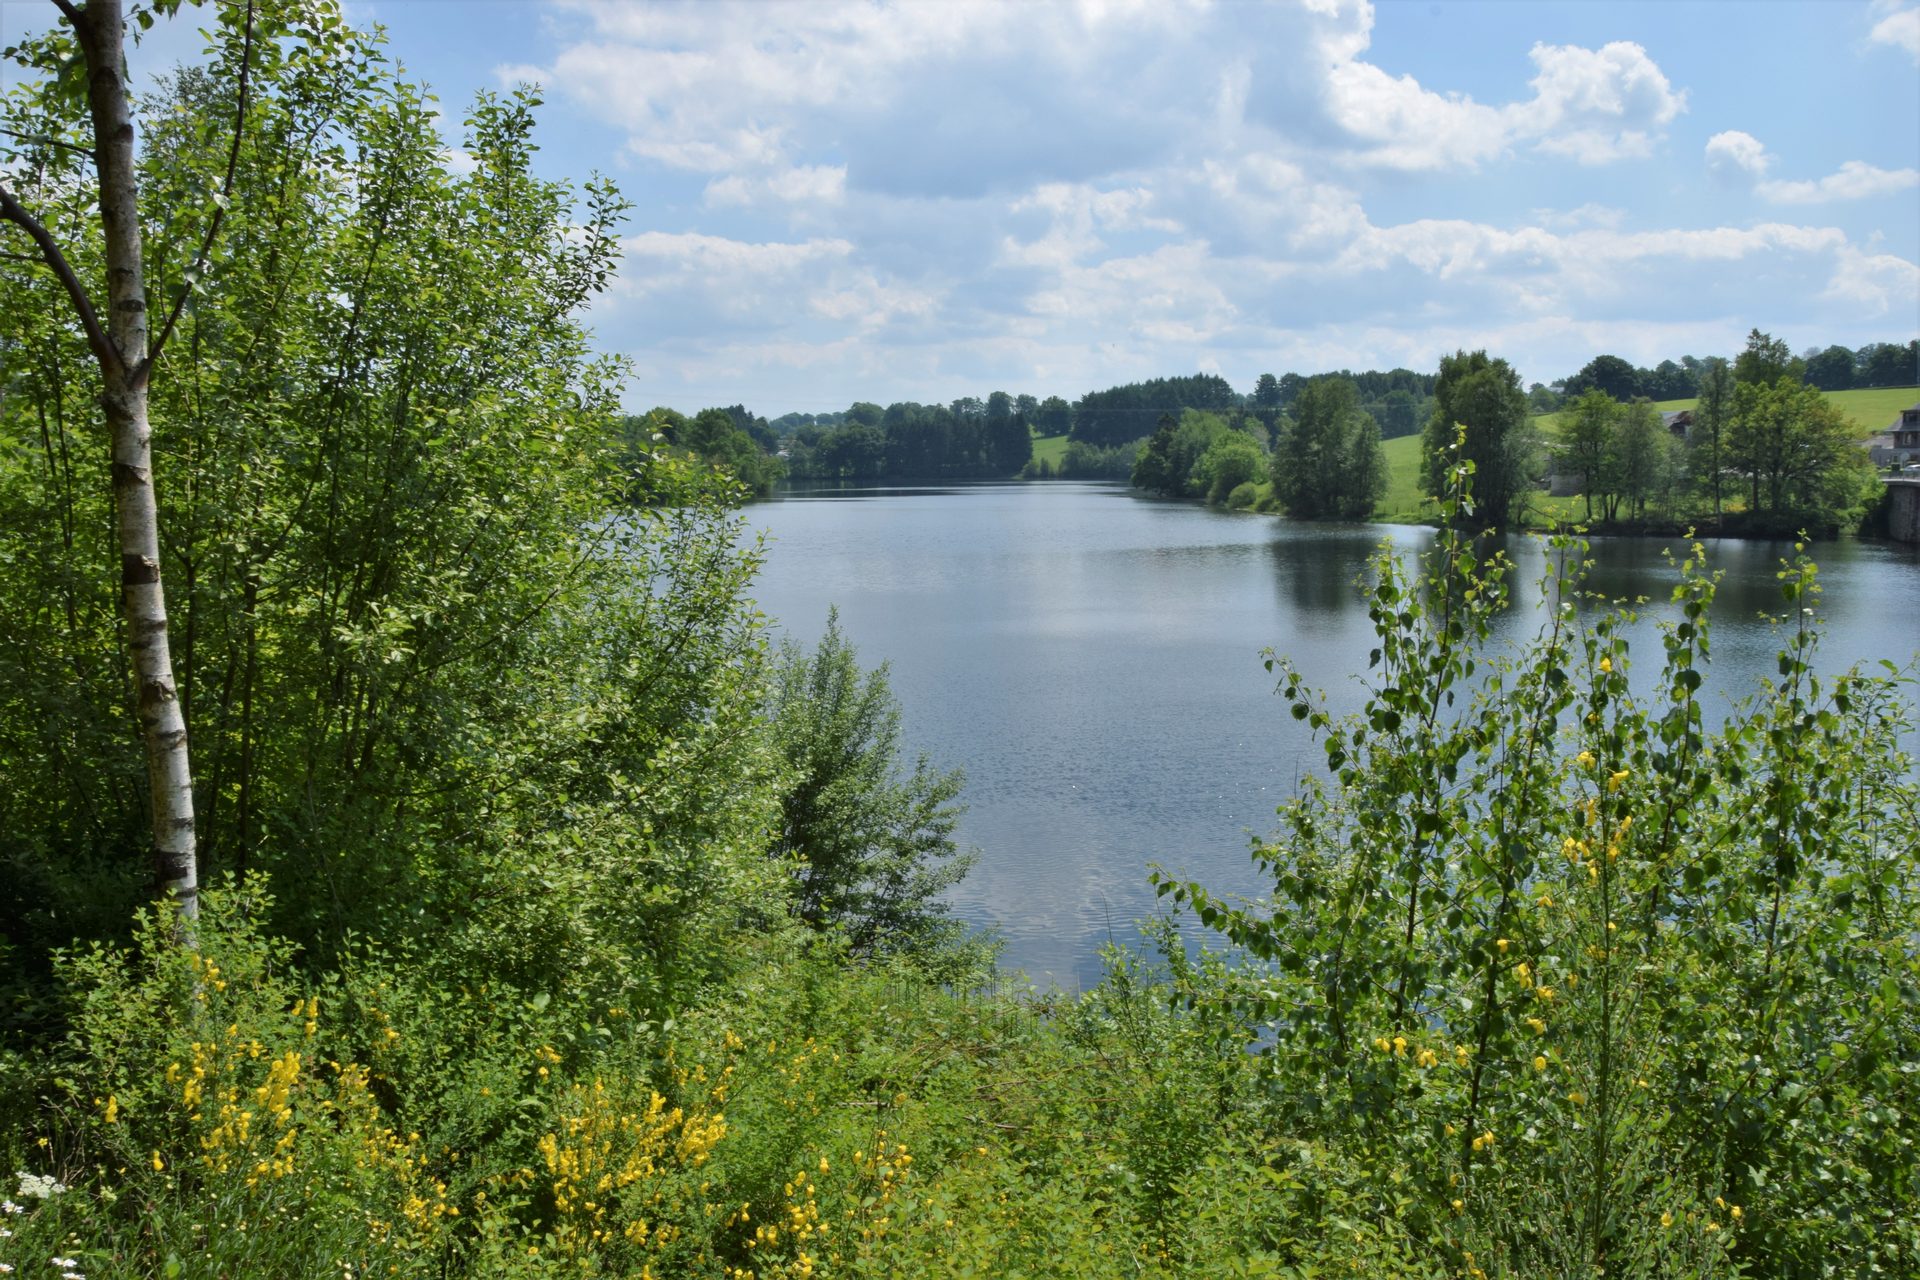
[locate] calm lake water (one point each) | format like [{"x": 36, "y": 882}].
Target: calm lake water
[{"x": 1092, "y": 659}]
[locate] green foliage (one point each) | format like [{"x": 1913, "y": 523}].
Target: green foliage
[
  {"x": 1231, "y": 462},
  {"x": 1327, "y": 462},
  {"x": 872, "y": 851},
  {"x": 1186, "y": 458},
  {"x": 1119, "y": 414},
  {"x": 1608, "y": 993},
  {"x": 713, "y": 436},
  {"x": 1483, "y": 396},
  {"x": 426, "y": 660},
  {"x": 1798, "y": 455}
]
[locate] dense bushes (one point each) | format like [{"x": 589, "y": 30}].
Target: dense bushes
[
  {"x": 556, "y": 931},
  {"x": 1598, "y": 990}
]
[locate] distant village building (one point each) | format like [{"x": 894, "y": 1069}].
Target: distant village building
[
  {"x": 1899, "y": 444},
  {"x": 1679, "y": 425}
]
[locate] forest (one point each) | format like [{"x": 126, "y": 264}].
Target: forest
[{"x": 421, "y": 862}]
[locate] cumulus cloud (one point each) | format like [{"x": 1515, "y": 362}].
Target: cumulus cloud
[
  {"x": 908, "y": 200},
  {"x": 1899, "y": 27},
  {"x": 1854, "y": 180},
  {"x": 1593, "y": 106},
  {"x": 1734, "y": 156}
]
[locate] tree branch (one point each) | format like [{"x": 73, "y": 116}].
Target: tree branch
[
  {"x": 141, "y": 374},
  {"x": 44, "y": 140},
  {"x": 103, "y": 348},
  {"x": 73, "y": 15}
]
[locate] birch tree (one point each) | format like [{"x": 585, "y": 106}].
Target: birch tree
[{"x": 117, "y": 327}]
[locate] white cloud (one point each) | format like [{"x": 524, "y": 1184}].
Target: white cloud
[
  {"x": 1597, "y": 105},
  {"x": 1736, "y": 156},
  {"x": 1899, "y": 28},
  {"x": 697, "y": 252},
  {"x": 1594, "y": 106},
  {"x": 1875, "y": 283},
  {"x": 1734, "y": 153},
  {"x": 800, "y": 184},
  {"x": 1854, "y": 180}
]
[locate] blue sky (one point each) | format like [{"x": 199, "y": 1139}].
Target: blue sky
[{"x": 882, "y": 201}]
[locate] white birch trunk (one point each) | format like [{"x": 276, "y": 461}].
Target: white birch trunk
[{"x": 102, "y": 31}]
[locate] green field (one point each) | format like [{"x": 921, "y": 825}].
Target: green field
[
  {"x": 1049, "y": 449},
  {"x": 1871, "y": 409}
]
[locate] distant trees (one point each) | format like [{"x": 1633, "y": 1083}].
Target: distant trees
[
  {"x": 968, "y": 438},
  {"x": 1481, "y": 394},
  {"x": 714, "y": 436},
  {"x": 1797, "y": 451},
  {"x": 1199, "y": 455},
  {"x": 1610, "y": 375},
  {"x": 1833, "y": 368},
  {"x": 1883, "y": 364},
  {"x": 1122, "y": 413},
  {"x": 1327, "y": 463},
  {"x": 1754, "y": 420},
  {"x": 1765, "y": 360},
  {"x": 1054, "y": 417},
  {"x": 1707, "y": 439}
]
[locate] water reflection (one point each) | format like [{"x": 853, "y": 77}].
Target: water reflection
[
  {"x": 1093, "y": 661},
  {"x": 1324, "y": 576}
]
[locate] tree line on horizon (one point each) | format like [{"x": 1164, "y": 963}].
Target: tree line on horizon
[
  {"x": 1765, "y": 452},
  {"x": 1107, "y": 429}
]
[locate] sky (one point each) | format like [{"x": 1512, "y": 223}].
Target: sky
[{"x": 919, "y": 201}]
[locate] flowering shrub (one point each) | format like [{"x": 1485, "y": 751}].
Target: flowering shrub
[{"x": 1597, "y": 990}]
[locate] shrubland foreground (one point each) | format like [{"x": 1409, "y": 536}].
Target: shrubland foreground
[{"x": 535, "y": 940}]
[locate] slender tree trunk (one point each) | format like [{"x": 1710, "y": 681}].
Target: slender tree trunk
[{"x": 101, "y": 28}]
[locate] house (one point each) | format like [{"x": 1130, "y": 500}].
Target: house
[
  {"x": 1899, "y": 444},
  {"x": 1679, "y": 425}
]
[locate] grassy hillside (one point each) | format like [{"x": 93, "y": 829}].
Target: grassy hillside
[
  {"x": 1403, "y": 503},
  {"x": 1049, "y": 449},
  {"x": 1871, "y": 409}
]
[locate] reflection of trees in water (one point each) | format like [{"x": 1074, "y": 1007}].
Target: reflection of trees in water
[{"x": 1322, "y": 572}]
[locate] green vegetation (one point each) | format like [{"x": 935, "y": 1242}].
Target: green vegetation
[
  {"x": 1480, "y": 418},
  {"x": 1327, "y": 462},
  {"x": 1580, "y": 976},
  {"x": 554, "y": 926},
  {"x": 1048, "y": 450}
]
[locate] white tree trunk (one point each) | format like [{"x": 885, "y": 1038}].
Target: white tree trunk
[{"x": 102, "y": 29}]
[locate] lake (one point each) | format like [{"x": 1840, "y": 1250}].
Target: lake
[{"x": 1092, "y": 659}]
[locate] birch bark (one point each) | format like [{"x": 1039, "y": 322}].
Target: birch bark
[{"x": 120, "y": 345}]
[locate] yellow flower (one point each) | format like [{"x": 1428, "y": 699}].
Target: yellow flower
[
  {"x": 1400, "y": 1046},
  {"x": 1614, "y": 780},
  {"x": 1502, "y": 944},
  {"x": 1539, "y": 1062},
  {"x": 1450, "y": 1130},
  {"x": 1523, "y": 971},
  {"x": 1539, "y": 1027},
  {"x": 158, "y": 1163},
  {"x": 1577, "y": 1098},
  {"x": 1606, "y": 665},
  {"x": 1736, "y": 1212},
  {"x": 1666, "y": 1219},
  {"x": 1383, "y": 1044},
  {"x": 1584, "y": 759},
  {"x": 1459, "y": 1206},
  {"x": 1546, "y": 993}
]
